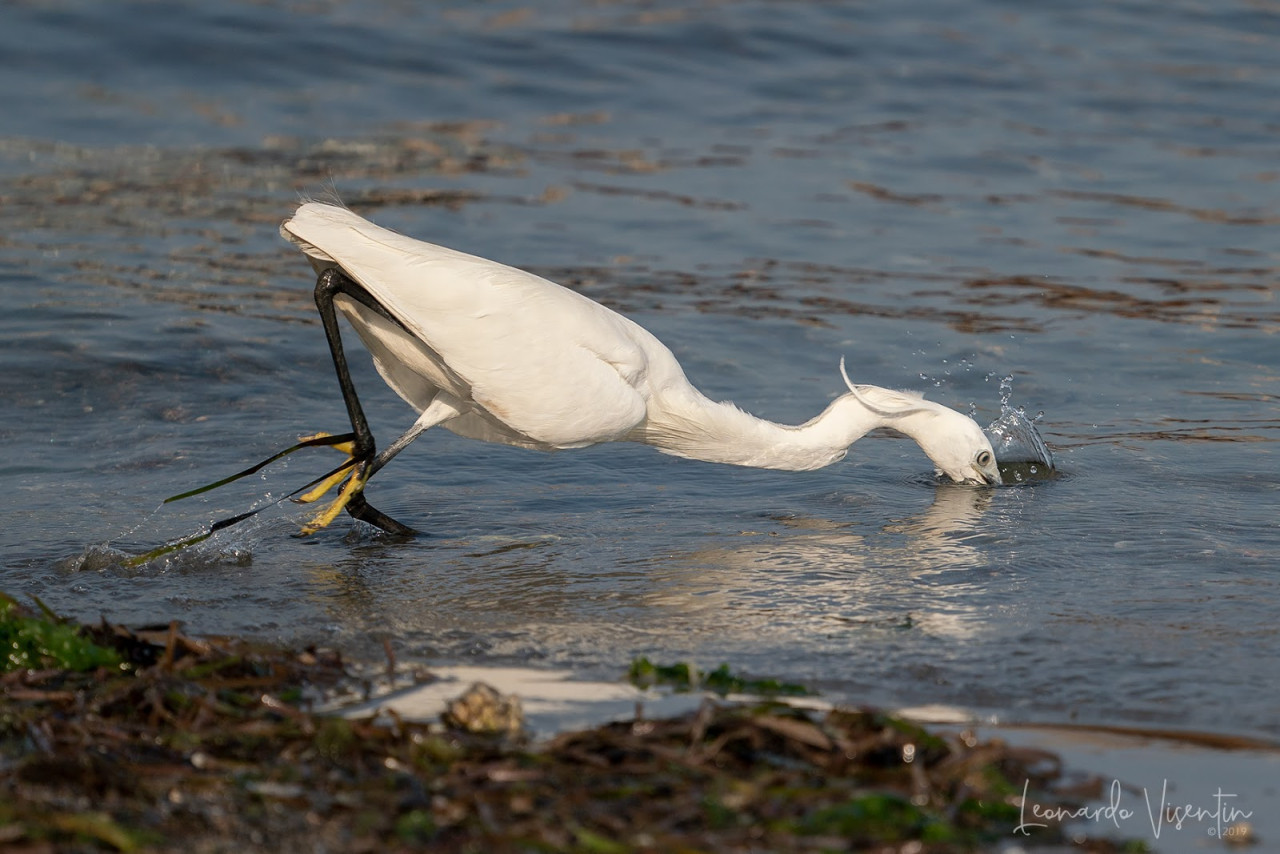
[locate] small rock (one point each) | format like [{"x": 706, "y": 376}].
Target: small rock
[{"x": 481, "y": 709}]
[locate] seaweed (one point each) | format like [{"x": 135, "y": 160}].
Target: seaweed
[
  {"x": 29, "y": 641},
  {"x": 684, "y": 676},
  {"x": 178, "y": 743}
]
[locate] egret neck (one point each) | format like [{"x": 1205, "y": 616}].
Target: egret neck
[{"x": 695, "y": 427}]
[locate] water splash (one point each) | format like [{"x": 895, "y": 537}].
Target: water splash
[
  {"x": 221, "y": 543},
  {"x": 1021, "y": 452},
  {"x": 188, "y": 557},
  {"x": 963, "y": 366}
]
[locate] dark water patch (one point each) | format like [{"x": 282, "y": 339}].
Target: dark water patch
[
  {"x": 659, "y": 195},
  {"x": 1055, "y": 295},
  {"x": 1167, "y": 206},
  {"x": 885, "y": 194}
]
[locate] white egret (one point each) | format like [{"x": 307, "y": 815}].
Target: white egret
[{"x": 495, "y": 353}]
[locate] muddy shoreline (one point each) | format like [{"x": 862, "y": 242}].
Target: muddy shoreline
[{"x": 152, "y": 740}]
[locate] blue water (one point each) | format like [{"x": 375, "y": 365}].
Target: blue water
[{"x": 1080, "y": 196}]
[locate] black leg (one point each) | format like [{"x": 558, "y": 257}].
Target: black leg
[
  {"x": 361, "y": 509},
  {"x": 329, "y": 284}
]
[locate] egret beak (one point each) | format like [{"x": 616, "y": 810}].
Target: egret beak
[{"x": 989, "y": 476}]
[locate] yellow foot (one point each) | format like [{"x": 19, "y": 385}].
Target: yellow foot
[
  {"x": 347, "y": 448},
  {"x": 322, "y": 487},
  {"x": 334, "y": 479},
  {"x": 328, "y": 514}
]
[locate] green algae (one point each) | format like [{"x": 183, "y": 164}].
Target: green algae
[
  {"x": 28, "y": 641},
  {"x": 683, "y": 676}
]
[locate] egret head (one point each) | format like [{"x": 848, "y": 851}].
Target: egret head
[
  {"x": 958, "y": 447},
  {"x": 954, "y": 441}
]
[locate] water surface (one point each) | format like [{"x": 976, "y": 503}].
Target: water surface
[{"x": 1081, "y": 197}]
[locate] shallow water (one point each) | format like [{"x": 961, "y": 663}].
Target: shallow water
[{"x": 1081, "y": 197}]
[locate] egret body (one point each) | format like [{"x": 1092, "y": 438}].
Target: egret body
[{"x": 498, "y": 354}]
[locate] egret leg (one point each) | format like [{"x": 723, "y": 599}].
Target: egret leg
[
  {"x": 329, "y": 285},
  {"x": 442, "y": 407}
]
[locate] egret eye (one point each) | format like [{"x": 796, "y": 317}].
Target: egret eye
[{"x": 984, "y": 458}]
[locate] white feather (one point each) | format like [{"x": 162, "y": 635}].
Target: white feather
[{"x": 510, "y": 357}]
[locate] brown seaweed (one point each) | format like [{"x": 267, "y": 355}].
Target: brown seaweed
[{"x": 215, "y": 744}]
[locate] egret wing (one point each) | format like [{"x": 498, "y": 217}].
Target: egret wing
[{"x": 547, "y": 362}]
